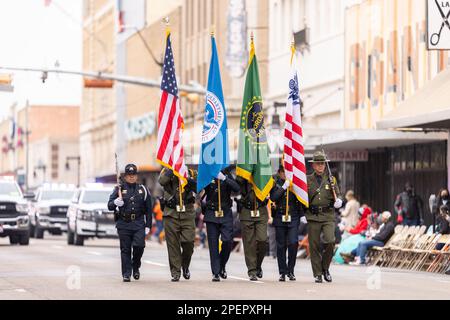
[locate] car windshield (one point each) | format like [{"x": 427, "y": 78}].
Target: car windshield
[
  {"x": 96, "y": 196},
  {"x": 9, "y": 189},
  {"x": 56, "y": 194}
]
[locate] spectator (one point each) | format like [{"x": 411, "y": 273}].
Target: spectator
[
  {"x": 443, "y": 223},
  {"x": 442, "y": 199},
  {"x": 409, "y": 207},
  {"x": 355, "y": 235},
  {"x": 379, "y": 240},
  {"x": 350, "y": 215},
  {"x": 157, "y": 212}
]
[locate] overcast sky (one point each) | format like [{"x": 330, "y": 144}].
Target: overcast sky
[{"x": 33, "y": 35}]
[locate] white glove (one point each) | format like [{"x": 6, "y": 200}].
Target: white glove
[
  {"x": 303, "y": 220},
  {"x": 147, "y": 231},
  {"x": 286, "y": 184},
  {"x": 221, "y": 176},
  {"x": 338, "y": 203},
  {"x": 119, "y": 202},
  {"x": 270, "y": 220}
]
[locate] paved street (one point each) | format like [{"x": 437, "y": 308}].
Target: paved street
[{"x": 48, "y": 269}]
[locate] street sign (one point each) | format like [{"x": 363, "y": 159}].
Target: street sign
[{"x": 348, "y": 156}]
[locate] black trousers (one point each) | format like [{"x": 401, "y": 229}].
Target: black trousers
[
  {"x": 287, "y": 239},
  {"x": 132, "y": 244},
  {"x": 225, "y": 232}
]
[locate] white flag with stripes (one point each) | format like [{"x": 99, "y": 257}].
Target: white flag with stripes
[
  {"x": 170, "y": 152},
  {"x": 294, "y": 151}
]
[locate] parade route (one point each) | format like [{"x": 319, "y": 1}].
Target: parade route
[{"x": 51, "y": 270}]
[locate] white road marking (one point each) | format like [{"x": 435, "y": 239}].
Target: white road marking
[
  {"x": 95, "y": 253},
  {"x": 20, "y": 290},
  {"x": 156, "y": 263},
  {"x": 244, "y": 279}
]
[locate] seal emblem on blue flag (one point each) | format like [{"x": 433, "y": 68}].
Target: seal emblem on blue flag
[{"x": 214, "y": 117}]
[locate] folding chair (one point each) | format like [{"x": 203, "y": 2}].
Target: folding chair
[
  {"x": 438, "y": 262},
  {"x": 423, "y": 254},
  {"x": 406, "y": 253},
  {"x": 380, "y": 254},
  {"x": 405, "y": 243}
]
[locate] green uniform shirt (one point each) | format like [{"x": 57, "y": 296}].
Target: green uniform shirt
[{"x": 321, "y": 195}]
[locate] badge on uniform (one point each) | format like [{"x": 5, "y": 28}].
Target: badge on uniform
[
  {"x": 254, "y": 214},
  {"x": 286, "y": 218},
  {"x": 140, "y": 191},
  {"x": 124, "y": 192},
  {"x": 327, "y": 187}
]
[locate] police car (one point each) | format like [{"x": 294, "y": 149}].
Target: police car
[
  {"x": 48, "y": 210},
  {"x": 14, "y": 221},
  {"x": 88, "y": 215}
]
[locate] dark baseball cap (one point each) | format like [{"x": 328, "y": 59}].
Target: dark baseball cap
[{"x": 131, "y": 169}]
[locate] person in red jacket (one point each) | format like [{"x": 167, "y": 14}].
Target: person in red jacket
[{"x": 363, "y": 223}]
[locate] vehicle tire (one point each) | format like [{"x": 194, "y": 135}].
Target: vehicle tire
[
  {"x": 25, "y": 239},
  {"x": 38, "y": 233},
  {"x": 70, "y": 236},
  {"x": 14, "y": 239},
  {"x": 77, "y": 239}
]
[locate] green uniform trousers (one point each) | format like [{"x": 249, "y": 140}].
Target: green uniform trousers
[
  {"x": 254, "y": 238},
  {"x": 321, "y": 253},
  {"x": 180, "y": 237}
]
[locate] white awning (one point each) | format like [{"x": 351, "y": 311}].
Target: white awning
[{"x": 428, "y": 108}]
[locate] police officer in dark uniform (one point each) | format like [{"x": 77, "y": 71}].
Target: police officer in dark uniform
[
  {"x": 254, "y": 218},
  {"x": 132, "y": 204},
  {"x": 286, "y": 226},
  {"x": 179, "y": 221},
  {"x": 219, "y": 221}
]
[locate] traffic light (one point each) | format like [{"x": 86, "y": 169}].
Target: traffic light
[
  {"x": 5, "y": 82},
  {"x": 191, "y": 97},
  {"x": 98, "y": 83}
]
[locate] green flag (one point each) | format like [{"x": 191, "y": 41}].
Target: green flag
[{"x": 253, "y": 154}]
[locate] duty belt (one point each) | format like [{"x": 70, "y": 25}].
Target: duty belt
[
  {"x": 129, "y": 217},
  {"x": 317, "y": 210},
  {"x": 251, "y": 205}
]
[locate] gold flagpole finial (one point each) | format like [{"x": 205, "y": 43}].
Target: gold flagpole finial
[
  {"x": 293, "y": 50},
  {"x": 213, "y": 30},
  {"x": 166, "y": 20},
  {"x": 252, "y": 37}
]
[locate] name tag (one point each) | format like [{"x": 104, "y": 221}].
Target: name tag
[{"x": 124, "y": 192}]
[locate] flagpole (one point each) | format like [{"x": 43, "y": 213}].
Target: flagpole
[
  {"x": 181, "y": 198},
  {"x": 287, "y": 202},
  {"x": 220, "y": 202}
]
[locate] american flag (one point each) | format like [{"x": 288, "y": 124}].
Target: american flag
[
  {"x": 294, "y": 151},
  {"x": 170, "y": 122}
]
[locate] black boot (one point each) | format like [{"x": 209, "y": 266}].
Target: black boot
[
  {"x": 126, "y": 279},
  {"x": 136, "y": 274},
  {"x": 186, "y": 273},
  {"x": 253, "y": 278},
  {"x": 318, "y": 279},
  {"x": 215, "y": 278},
  {"x": 223, "y": 274},
  {"x": 327, "y": 276},
  {"x": 291, "y": 277},
  {"x": 259, "y": 273},
  {"x": 175, "y": 278},
  {"x": 282, "y": 278}
]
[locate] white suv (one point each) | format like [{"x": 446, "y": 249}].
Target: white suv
[{"x": 88, "y": 215}]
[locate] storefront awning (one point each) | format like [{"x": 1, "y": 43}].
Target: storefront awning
[
  {"x": 428, "y": 108},
  {"x": 373, "y": 139}
]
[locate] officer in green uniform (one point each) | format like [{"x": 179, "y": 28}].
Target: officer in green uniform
[
  {"x": 320, "y": 217},
  {"x": 254, "y": 217},
  {"x": 179, "y": 221}
]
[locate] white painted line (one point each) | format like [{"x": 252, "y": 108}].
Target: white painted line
[
  {"x": 244, "y": 279},
  {"x": 20, "y": 290},
  {"x": 156, "y": 263},
  {"x": 95, "y": 253}
]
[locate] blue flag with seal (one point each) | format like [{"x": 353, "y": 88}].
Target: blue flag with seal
[{"x": 214, "y": 155}]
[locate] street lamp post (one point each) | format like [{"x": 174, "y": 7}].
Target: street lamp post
[{"x": 78, "y": 159}]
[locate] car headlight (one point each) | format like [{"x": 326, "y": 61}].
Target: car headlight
[
  {"x": 22, "y": 208},
  {"x": 44, "y": 210}
]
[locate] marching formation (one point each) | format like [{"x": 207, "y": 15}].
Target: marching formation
[{"x": 286, "y": 199}]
